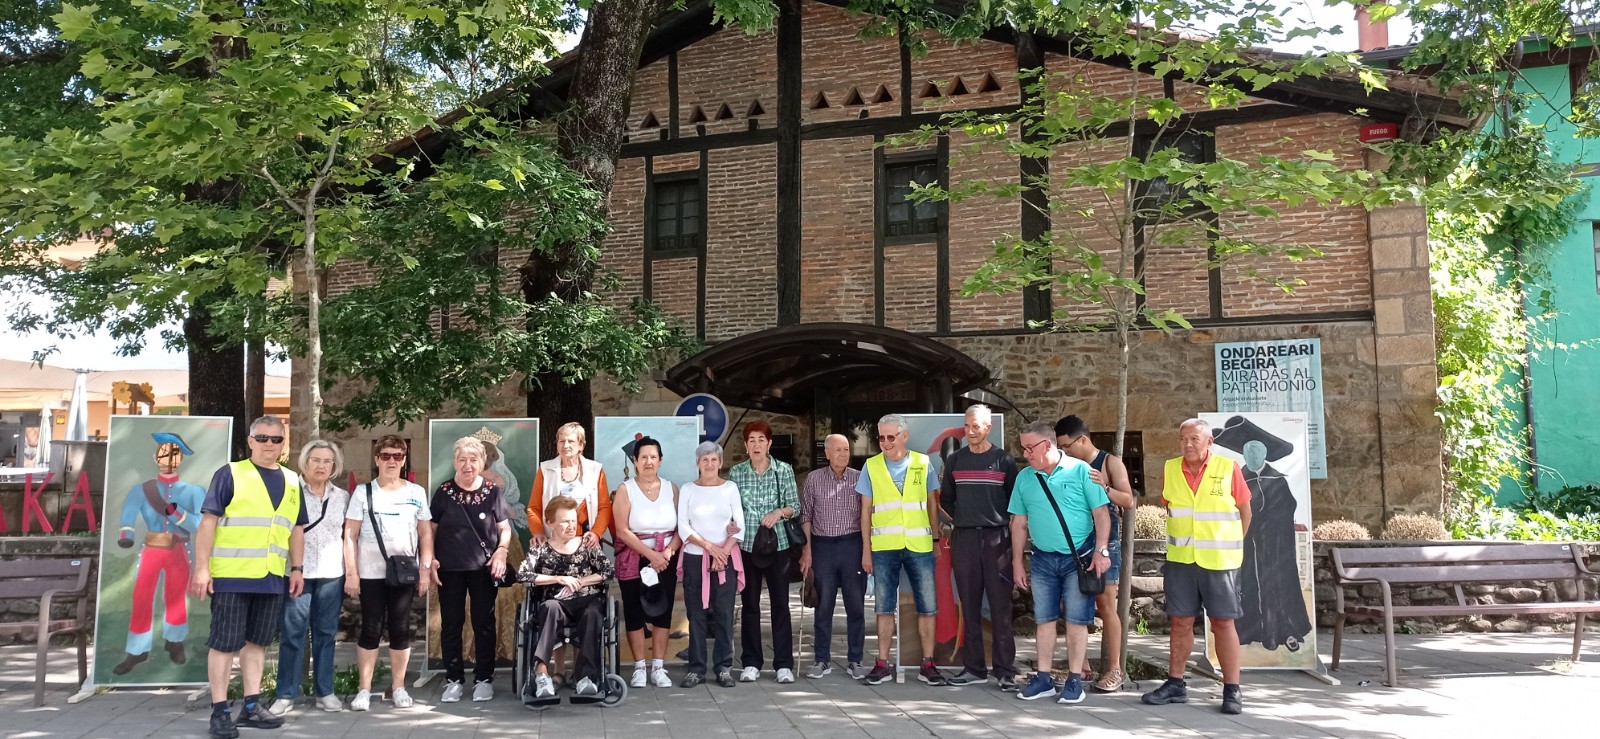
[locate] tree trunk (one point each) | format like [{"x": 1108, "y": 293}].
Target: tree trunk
[
  {"x": 589, "y": 136},
  {"x": 313, "y": 324},
  {"x": 255, "y": 378},
  {"x": 216, "y": 374},
  {"x": 1124, "y": 585}
]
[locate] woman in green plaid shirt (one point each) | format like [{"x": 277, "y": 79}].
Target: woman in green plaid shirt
[{"x": 770, "y": 498}]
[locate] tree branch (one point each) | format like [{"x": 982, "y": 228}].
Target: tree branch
[{"x": 48, "y": 54}]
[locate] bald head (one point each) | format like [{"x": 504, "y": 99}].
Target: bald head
[{"x": 837, "y": 448}]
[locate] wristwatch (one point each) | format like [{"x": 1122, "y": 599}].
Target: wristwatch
[
  {"x": 297, "y": 568},
  {"x": 1104, "y": 552}
]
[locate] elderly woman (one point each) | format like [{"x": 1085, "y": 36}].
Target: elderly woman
[
  {"x": 568, "y": 577},
  {"x": 710, "y": 521},
  {"x": 571, "y": 475},
  {"x": 472, "y": 538},
  {"x": 318, "y": 604},
  {"x": 387, "y": 517},
  {"x": 646, "y": 509},
  {"x": 770, "y": 500}
]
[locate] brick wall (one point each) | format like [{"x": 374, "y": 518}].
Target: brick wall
[
  {"x": 741, "y": 255},
  {"x": 951, "y": 76},
  {"x": 623, "y": 248},
  {"x": 836, "y": 251},
  {"x": 733, "y": 69},
  {"x": 835, "y": 61},
  {"x": 975, "y": 225}
]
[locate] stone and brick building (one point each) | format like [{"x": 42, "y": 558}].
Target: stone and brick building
[{"x": 759, "y": 199}]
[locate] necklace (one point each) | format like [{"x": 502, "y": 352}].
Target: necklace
[{"x": 576, "y": 473}]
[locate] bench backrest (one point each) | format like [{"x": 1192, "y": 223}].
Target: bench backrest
[
  {"x": 33, "y": 578},
  {"x": 1454, "y": 564}
]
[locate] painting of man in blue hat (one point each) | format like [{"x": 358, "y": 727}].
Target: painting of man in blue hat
[{"x": 170, "y": 511}]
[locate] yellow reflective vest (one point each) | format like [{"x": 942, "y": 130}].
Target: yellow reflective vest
[
  {"x": 900, "y": 516},
  {"x": 1203, "y": 526},
  {"x": 253, "y": 537}
]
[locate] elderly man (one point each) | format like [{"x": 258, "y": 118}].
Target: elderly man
[
  {"x": 1063, "y": 511},
  {"x": 1208, "y": 511},
  {"x": 978, "y": 479},
  {"x": 248, "y": 554},
  {"x": 830, "y": 512},
  {"x": 903, "y": 491}
]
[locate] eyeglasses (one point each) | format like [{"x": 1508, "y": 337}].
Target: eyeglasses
[
  {"x": 264, "y": 439},
  {"x": 1031, "y": 447},
  {"x": 392, "y": 456},
  {"x": 890, "y": 437}
]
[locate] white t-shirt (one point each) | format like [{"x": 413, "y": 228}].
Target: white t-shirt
[
  {"x": 647, "y": 516},
  {"x": 398, "y": 512},
  {"x": 325, "y": 539},
  {"x": 706, "y": 512}
]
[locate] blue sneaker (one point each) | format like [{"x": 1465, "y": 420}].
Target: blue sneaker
[
  {"x": 1039, "y": 686},
  {"x": 1072, "y": 692}
]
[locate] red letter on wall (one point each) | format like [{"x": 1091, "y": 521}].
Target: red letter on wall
[
  {"x": 81, "y": 501},
  {"x": 30, "y": 504}
]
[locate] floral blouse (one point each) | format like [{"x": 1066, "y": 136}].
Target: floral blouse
[{"x": 545, "y": 560}]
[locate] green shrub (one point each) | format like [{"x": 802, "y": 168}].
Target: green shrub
[{"x": 1572, "y": 500}]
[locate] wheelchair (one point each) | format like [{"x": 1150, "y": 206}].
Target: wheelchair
[{"x": 613, "y": 690}]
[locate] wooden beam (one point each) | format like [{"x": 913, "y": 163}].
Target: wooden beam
[{"x": 789, "y": 184}]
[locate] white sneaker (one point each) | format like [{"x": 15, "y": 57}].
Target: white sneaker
[
  {"x": 661, "y": 678},
  {"x": 586, "y": 687},
  {"x": 641, "y": 677},
  {"x": 452, "y": 692},
  {"x": 750, "y": 674},
  {"x": 280, "y": 707},
  {"x": 483, "y": 690},
  {"x": 543, "y": 687},
  {"x": 785, "y": 675},
  {"x": 401, "y": 699},
  {"x": 362, "y": 701},
  {"x": 330, "y": 703}
]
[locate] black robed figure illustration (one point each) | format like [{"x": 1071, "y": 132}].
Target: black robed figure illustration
[{"x": 1269, "y": 583}]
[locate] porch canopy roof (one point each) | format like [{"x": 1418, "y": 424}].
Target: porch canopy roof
[{"x": 777, "y": 368}]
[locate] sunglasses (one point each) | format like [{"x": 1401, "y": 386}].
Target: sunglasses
[
  {"x": 392, "y": 456},
  {"x": 264, "y": 439},
  {"x": 890, "y": 437}
]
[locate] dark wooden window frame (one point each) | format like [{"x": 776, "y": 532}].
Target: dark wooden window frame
[
  {"x": 909, "y": 161},
  {"x": 678, "y": 183},
  {"x": 696, "y": 179},
  {"x": 1207, "y": 152}
]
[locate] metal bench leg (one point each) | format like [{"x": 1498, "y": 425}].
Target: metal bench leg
[
  {"x": 43, "y": 653},
  {"x": 1577, "y": 637},
  {"x": 1338, "y": 637},
  {"x": 1388, "y": 648}
]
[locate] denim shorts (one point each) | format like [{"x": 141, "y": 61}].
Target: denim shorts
[
  {"x": 919, "y": 568},
  {"x": 1114, "y": 572},
  {"x": 1054, "y": 578}
]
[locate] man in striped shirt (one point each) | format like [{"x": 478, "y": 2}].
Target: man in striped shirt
[{"x": 977, "y": 490}]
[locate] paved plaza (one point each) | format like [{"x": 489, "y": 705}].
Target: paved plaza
[{"x": 1454, "y": 686}]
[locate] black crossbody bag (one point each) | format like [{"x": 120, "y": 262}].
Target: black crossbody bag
[
  {"x": 508, "y": 578},
  {"x": 1089, "y": 583},
  {"x": 400, "y": 569}
]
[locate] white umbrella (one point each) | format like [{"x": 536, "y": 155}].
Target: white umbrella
[{"x": 78, "y": 409}]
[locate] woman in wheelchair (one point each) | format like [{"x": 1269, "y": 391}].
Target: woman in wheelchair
[{"x": 567, "y": 578}]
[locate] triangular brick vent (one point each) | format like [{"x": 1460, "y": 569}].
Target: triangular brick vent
[
  {"x": 882, "y": 95},
  {"x": 755, "y": 109},
  {"x": 853, "y": 98},
  {"x": 698, "y": 116},
  {"x": 957, "y": 88},
  {"x": 929, "y": 90},
  {"x": 724, "y": 113},
  {"x": 649, "y": 120},
  {"x": 820, "y": 101},
  {"x": 989, "y": 83}
]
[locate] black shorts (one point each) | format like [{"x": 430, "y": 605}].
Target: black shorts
[
  {"x": 1192, "y": 590},
  {"x": 237, "y": 618}
]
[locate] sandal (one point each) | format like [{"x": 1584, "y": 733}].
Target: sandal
[{"x": 1111, "y": 682}]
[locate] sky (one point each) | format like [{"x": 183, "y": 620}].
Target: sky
[{"x": 99, "y": 352}]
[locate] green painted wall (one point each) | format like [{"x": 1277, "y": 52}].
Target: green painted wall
[{"x": 1566, "y": 384}]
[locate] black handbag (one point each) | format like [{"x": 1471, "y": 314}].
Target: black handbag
[
  {"x": 797, "y": 535},
  {"x": 507, "y": 578},
  {"x": 400, "y": 569},
  {"x": 1089, "y": 583}
]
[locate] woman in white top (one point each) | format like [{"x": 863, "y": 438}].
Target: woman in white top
[
  {"x": 646, "y": 512},
  {"x": 709, "y": 522},
  {"x": 318, "y": 605},
  {"x": 400, "y": 509}
]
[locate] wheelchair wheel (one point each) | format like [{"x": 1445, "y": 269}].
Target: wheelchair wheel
[{"x": 614, "y": 690}]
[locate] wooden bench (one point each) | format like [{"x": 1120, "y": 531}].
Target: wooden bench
[
  {"x": 1454, "y": 566},
  {"x": 49, "y": 581}
]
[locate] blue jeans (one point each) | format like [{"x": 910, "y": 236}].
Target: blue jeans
[
  {"x": 836, "y": 562},
  {"x": 1054, "y": 577},
  {"x": 919, "y": 568},
  {"x": 317, "y": 607}
]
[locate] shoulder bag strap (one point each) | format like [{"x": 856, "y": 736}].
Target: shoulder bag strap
[
  {"x": 1057, "y": 508},
  {"x": 472, "y": 526},
  {"x": 313, "y": 524},
  {"x": 377, "y": 532}
]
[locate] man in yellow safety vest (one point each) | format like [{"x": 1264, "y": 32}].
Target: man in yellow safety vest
[
  {"x": 247, "y": 556},
  {"x": 901, "y": 488},
  {"x": 1208, "y": 511}
]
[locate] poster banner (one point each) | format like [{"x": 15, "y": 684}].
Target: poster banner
[
  {"x": 939, "y": 435},
  {"x": 1276, "y": 582},
  {"x": 1283, "y": 375},
  {"x": 613, "y": 445},
  {"x": 512, "y": 445},
  {"x": 148, "y": 631}
]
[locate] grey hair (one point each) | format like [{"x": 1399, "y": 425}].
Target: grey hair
[
  {"x": 272, "y": 421},
  {"x": 707, "y": 448},
  {"x": 1040, "y": 428},
  {"x": 469, "y": 443},
  {"x": 895, "y": 419},
  {"x": 1206, "y": 427},
  {"x": 315, "y": 444},
  {"x": 980, "y": 413}
]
